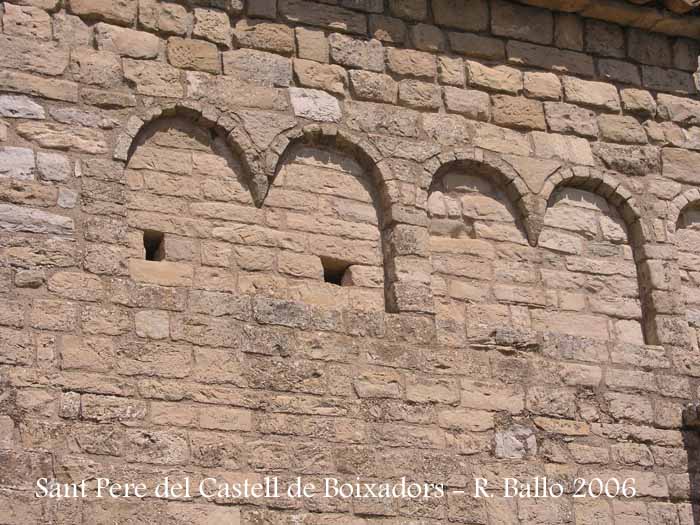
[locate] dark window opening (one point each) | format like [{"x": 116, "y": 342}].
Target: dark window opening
[
  {"x": 154, "y": 242},
  {"x": 334, "y": 270}
]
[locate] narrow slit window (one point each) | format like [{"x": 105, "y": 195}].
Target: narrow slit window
[
  {"x": 334, "y": 270},
  {"x": 154, "y": 243}
]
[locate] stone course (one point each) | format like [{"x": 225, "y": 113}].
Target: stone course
[{"x": 354, "y": 238}]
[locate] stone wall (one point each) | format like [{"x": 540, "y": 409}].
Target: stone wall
[{"x": 368, "y": 239}]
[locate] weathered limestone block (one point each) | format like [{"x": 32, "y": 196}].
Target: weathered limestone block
[
  {"x": 681, "y": 165},
  {"x": 420, "y": 95},
  {"x": 153, "y": 78},
  {"x": 673, "y": 80},
  {"x": 70, "y": 30},
  {"x": 126, "y": 42},
  {"x": 633, "y": 160},
  {"x": 544, "y": 86},
  {"x": 25, "y": 54},
  {"x": 212, "y": 25},
  {"x": 312, "y": 44},
  {"x": 170, "y": 18},
  {"x": 328, "y": 77},
  {"x": 374, "y": 87},
  {"x": 121, "y": 12},
  {"x": 517, "y": 112},
  {"x": 60, "y": 136},
  {"x": 568, "y": 118},
  {"x": 638, "y": 102},
  {"x": 99, "y": 68},
  {"x": 265, "y": 36},
  {"x": 410, "y": 9},
  {"x": 26, "y": 21},
  {"x": 619, "y": 71},
  {"x": 503, "y": 79},
  {"x": 472, "y": 104},
  {"x": 314, "y": 105},
  {"x": 681, "y": 110},
  {"x": 258, "y": 67},
  {"x": 451, "y": 71},
  {"x": 193, "y": 54},
  {"x": 33, "y": 85},
  {"x": 571, "y": 149},
  {"x": 417, "y": 64},
  {"x": 596, "y": 94},
  {"x": 618, "y": 128}
]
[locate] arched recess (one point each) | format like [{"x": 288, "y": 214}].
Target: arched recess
[
  {"x": 226, "y": 127},
  {"x": 593, "y": 237},
  {"x": 484, "y": 271},
  {"x": 191, "y": 216},
  {"x": 329, "y": 195},
  {"x": 684, "y": 219}
]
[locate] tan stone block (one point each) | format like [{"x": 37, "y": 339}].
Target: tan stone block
[
  {"x": 120, "y": 11},
  {"x": 638, "y": 102},
  {"x": 684, "y": 111},
  {"x": 410, "y": 9},
  {"x": 373, "y": 86},
  {"x": 152, "y": 324},
  {"x": 492, "y": 396},
  {"x": 572, "y": 149},
  {"x": 355, "y": 53},
  {"x": 258, "y": 67},
  {"x": 300, "y": 265},
  {"x": 618, "y": 128},
  {"x": 500, "y": 78},
  {"x": 50, "y": 314},
  {"x": 473, "y": 104},
  {"x": 419, "y": 95},
  {"x": 311, "y": 74},
  {"x": 544, "y": 86},
  {"x": 568, "y": 118},
  {"x": 213, "y": 25},
  {"x": 26, "y": 21},
  {"x": 126, "y": 42},
  {"x": 451, "y": 71},
  {"x": 597, "y": 94},
  {"x": 428, "y": 38},
  {"x": 224, "y": 418},
  {"x": 77, "y": 286},
  {"x": 162, "y": 273},
  {"x": 265, "y": 36},
  {"x": 466, "y": 419},
  {"x": 517, "y": 112},
  {"x": 167, "y": 17},
  {"x": 378, "y": 384},
  {"x": 412, "y": 63},
  {"x": 153, "y": 78},
  {"x": 37, "y": 86},
  {"x": 48, "y": 58},
  {"x": 193, "y": 54},
  {"x": 64, "y": 137},
  {"x": 312, "y": 44}
]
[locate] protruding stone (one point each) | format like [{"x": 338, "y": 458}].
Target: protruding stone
[{"x": 314, "y": 105}]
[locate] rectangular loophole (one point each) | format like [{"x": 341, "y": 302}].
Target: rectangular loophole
[
  {"x": 154, "y": 243},
  {"x": 334, "y": 270}
]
